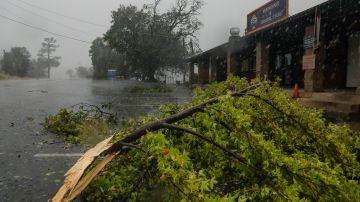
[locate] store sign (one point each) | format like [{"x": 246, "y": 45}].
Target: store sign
[
  {"x": 309, "y": 62},
  {"x": 268, "y": 14},
  {"x": 309, "y": 41}
]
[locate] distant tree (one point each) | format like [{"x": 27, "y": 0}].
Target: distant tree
[
  {"x": 16, "y": 62},
  {"x": 151, "y": 40},
  {"x": 83, "y": 72},
  {"x": 70, "y": 73},
  {"x": 1, "y": 58},
  {"x": 104, "y": 58},
  {"x": 37, "y": 69},
  {"x": 45, "y": 54}
]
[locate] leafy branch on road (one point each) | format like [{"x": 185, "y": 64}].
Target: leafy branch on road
[{"x": 251, "y": 145}]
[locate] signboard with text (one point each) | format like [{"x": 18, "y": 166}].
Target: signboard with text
[
  {"x": 268, "y": 14},
  {"x": 309, "y": 41},
  {"x": 309, "y": 62}
]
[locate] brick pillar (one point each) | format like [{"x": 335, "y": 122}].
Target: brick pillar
[
  {"x": 234, "y": 40},
  {"x": 313, "y": 64},
  {"x": 262, "y": 60}
]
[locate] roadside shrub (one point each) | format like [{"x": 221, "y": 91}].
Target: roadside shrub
[
  {"x": 148, "y": 90},
  {"x": 88, "y": 125},
  {"x": 7, "y": 77}
]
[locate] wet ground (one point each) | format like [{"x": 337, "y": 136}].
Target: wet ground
[{"x": 33, "y": 161}]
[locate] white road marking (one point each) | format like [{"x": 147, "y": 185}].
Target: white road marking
[
  {"x": 57, "y": 155},
  {"x": 154, "y": 105}
]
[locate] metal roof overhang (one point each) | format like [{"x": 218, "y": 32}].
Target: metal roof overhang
[{"x": 219, "y": 50}]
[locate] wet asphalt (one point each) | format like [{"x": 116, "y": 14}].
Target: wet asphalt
[{"x": 33, "y": 161}]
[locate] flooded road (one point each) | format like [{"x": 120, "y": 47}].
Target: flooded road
[{"x": 33, "y": 161}]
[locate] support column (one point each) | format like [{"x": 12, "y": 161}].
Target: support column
[
  {"x": 262, "y": 60},
  {"x": 210, "y": 69},
  {"x": 200, "y": 73},
  {"x": 228, "y": 62},
  {"x": 191, "y": 79},
  {"x": 313, "y": 63},
  {"x": 203, "y": 73},
  {"x": 358, "y": 88},
  {"x": 214, "y": 64},
  {"x": 232, "y": 64}
]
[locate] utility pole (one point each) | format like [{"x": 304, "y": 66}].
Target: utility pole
[
  {"x": 48, "y": 56},
  {"x": 191, "y": 66},
  {"x": 192, "y": 47},
  {"x": 184, "y": 64}
]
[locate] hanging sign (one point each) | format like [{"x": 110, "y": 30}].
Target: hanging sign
[
  {"x": 268, "y": 14},
  {"x": 309, "y": 41},
  {"x": 309, "y": 61}
]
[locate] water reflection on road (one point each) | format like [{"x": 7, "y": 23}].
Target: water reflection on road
[{"x": 33, "y": 161}]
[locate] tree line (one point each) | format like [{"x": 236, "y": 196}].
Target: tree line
[
  {"x": 145, "y": 43},
  {"x": 18, "y": 62}
]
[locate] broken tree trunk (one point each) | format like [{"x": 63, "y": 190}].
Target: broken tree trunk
[{"x": 73, "y": 176}]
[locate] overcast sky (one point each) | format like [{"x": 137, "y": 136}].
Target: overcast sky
[{"x": 218, "y": 16}]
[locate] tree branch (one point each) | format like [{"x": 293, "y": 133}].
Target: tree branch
[
  {"x": 202, "y": 137},
  {"x": 132, "y": 146},
  {"x": 179, "y": 189}
]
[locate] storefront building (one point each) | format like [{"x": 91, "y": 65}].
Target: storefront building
[{"x": 319, "y": 48}]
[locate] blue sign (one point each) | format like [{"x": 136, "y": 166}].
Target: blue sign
[
  {"x": 267, "y": 15},
  {"x": 111, "y": 74}
]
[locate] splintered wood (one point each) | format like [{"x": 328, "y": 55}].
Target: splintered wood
[
  {"x": 85, "y": 181},
  {"x": 73, "y": 176}
]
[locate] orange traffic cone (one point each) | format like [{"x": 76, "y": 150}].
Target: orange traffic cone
[{"x": 296, "y": 91}]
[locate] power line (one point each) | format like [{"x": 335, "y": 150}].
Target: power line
[
  {"x": 21, "y": 18},
  {"x": 62, "y": 15},
  {"x": 12, "y": 13},
  {"x": 54, "y": 21},
  {"x": 44, "y": 30},
  {"x": 56, "y": 13},
  {"x": 77, "y": 19}
]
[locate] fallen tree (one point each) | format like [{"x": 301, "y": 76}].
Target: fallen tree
[{"x": 231, "y": 143}]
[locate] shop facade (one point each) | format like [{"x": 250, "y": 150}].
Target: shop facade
[{"x": 318, "y": 49}]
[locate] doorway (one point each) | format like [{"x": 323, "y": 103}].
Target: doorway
[{"x": 284, "y": 69}]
